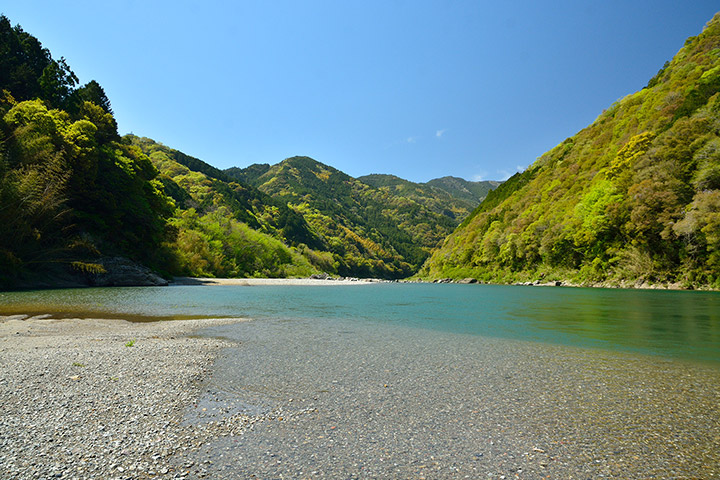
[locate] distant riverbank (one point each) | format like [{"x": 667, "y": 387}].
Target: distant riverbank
[
  {"x": 270, "y": 281},
  {"x": 623, "y": 284}
]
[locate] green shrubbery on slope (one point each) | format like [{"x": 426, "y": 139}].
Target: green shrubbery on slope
[{"x": 634, "y": 197}]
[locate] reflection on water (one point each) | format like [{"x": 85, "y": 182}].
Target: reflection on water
[{"x": 668, "y": 323}]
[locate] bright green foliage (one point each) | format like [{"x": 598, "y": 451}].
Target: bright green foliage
[
  {"x": 632, "y": 197},
  {"x": 631, "y": 151},
  {"x": 227, "y": 229},
  {"x": 594, "y": 215},
  {"x": 69, "y": 190},
  {"x": 218, "y": 245},
  {"x": 371, "y": 232}
]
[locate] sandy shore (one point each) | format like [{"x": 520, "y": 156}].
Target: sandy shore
[
  {"x": 92, "y": 398},
  {"x": 248, "y": 282}
]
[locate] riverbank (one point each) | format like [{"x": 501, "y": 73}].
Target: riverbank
[
  {"x": 93, "y": 398},
  {"x": 250, "y": 282},
  {"x": 624, "y": 284}
]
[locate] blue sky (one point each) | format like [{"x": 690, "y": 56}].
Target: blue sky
[{"x": 418, "y": 89}]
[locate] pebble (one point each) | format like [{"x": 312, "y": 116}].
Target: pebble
[
  {"x": 77, "y": 403},
  {"x": 458, "y": 406}
]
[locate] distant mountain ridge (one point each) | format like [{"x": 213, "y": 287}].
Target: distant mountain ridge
[
  {"x": 474, "y": 192},
  {"x": 450, "y": 196}
]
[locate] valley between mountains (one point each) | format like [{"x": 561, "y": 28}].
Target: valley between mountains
[{"x": 634, "y": 198}]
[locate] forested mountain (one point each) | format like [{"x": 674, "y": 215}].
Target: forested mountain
[
  {"x": 634, "y": 197},
  {"x": 370, "y": 231},
  {"x": 70, "y": 189},
  {"x": 230, "y": 229},
  {"x": 449, "y": 196},
  {"x": 74, "y": 194},
  {"x": 472, "y": 192}
]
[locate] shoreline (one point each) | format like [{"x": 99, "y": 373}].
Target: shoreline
[
  {"x": 624, "y": 285},
  {"x": 249, "y": 282},
  {"x": 342, "y": 281},
  {"x": 252, "y": 282},
  {"x": 99, "y": 398}
]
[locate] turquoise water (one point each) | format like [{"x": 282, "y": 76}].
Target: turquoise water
[
  {"x": 674, "y": 324},
  {"x": 443, "y": 381}
]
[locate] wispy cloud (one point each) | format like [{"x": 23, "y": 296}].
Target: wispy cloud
[
  {"x": 440, "y": 133},
  {"x": 479, "y": 177},
  {"x": 404, "y": 141},
  {"x": 504, "y": 174}
]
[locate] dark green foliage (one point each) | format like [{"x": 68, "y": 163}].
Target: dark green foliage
[
  {"x": 92, "y": 92},
  {"x": 198, "y": 165},
  {"x": 174, "y": 191},
  {"x": 22, "y": 61},
  {"x": 57, "y": 83},
  {"x": 28, "y": 71},
  {"x": 248, "y": 174},
  {"x": 70, "y": 190}
]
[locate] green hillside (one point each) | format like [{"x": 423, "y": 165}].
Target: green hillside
[
  {"x": 370, "y": 231},
  {"x": 225, "y": 228},
  {"x": 473, "y": 192},
  {"x": 71, "y": 190},
  {"x": 74, "y": 194},
  {"x": 634, "y": 197},
  {"x": 449, "y": 196}
]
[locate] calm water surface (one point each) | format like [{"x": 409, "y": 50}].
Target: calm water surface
[
  {"x": 667, "y": 323},
  {"x": 444, "y": 381}
]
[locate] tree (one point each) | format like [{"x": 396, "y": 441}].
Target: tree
[{"x": 94, "y": 93}]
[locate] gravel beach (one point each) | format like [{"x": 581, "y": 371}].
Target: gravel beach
[{"x": 104, "y": 399}]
